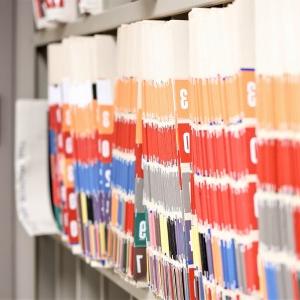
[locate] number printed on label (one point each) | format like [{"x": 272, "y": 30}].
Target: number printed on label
[
  {"x": 105, "y": 119},
  {"x": 186, "y": 142},
  {"x": 251, "y": 93},
  {"x": 183, "y": 94},
  {"x": 105, "y": 149},
  {"x": 107, "y": 175}
]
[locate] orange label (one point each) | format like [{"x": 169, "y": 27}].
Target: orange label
[
  {"x": 182, "y": 98},
  {"x": 114, "y": 208},
  {"x": 265, "y": 102},
  {"x": 247, "y": 93},
  {"x": 105, "y": 119},
  {"x": 280, "y": 103},
  {"x": 157, "y": 99},
  {"x": 292, "y": 102},
  {"x": 68, "y": 173},
  {"x": 66, "y": 118}
]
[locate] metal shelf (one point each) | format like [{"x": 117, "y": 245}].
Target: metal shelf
[
  {"x": 137, "y": 292},
  {"x": 127, "y": 13},
  {"x": 105, "y": 22}
]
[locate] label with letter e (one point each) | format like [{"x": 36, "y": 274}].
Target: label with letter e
[{"x": 140, "y": 229}]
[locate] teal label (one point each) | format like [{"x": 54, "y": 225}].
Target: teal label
[{"x": 140, "y": 229}]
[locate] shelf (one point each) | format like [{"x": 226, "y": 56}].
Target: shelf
[
  {"x": 127, "y": 13},
  {"x": 138, "y": 293}
]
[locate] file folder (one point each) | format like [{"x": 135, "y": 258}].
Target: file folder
[
  {"x": 223, "y": 152},
  {"x": 84, "y": 138},
  {"x": 277, "y": 146}
]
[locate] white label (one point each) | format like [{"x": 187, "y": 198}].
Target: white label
[
  {"x": 86, "y": 94},
  {"x": 105, "y": 92},
  {"x": 54, "y": 94},
  {"x": 66, "y": 92}
]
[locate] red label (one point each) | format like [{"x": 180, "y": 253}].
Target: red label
[{"x": 184, "y": 139}]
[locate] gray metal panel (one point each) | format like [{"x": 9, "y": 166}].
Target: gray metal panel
[
  {"x": 67, "y": 275},
  {"x": 114, "y": 17},
  {"x": 138, "y": 293},
  {"x": 24, "y": 88},
  {"x": 89, "y": 282},
  {"x": 41, "y": 73},
  {"x": 45, "y": 268},
  {"x": 114, "y": 292},
  {"x": 6, "y": 146}
]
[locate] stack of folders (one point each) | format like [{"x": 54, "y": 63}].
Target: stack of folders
[
  {"x": 127, "y": 232},
  {"x": 278, "y": 115},
  {"x": 56, "y": 153},
  {"x": 83, "y": 105},
  {"x": 165, "y": 154},
  {"x": 224, "y": 235}
]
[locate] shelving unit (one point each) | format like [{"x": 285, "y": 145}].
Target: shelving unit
[
  {"x": 45, "y": 266},
  {"x": 137, "y": 293},
  {"x": 127, "y": 13}
]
